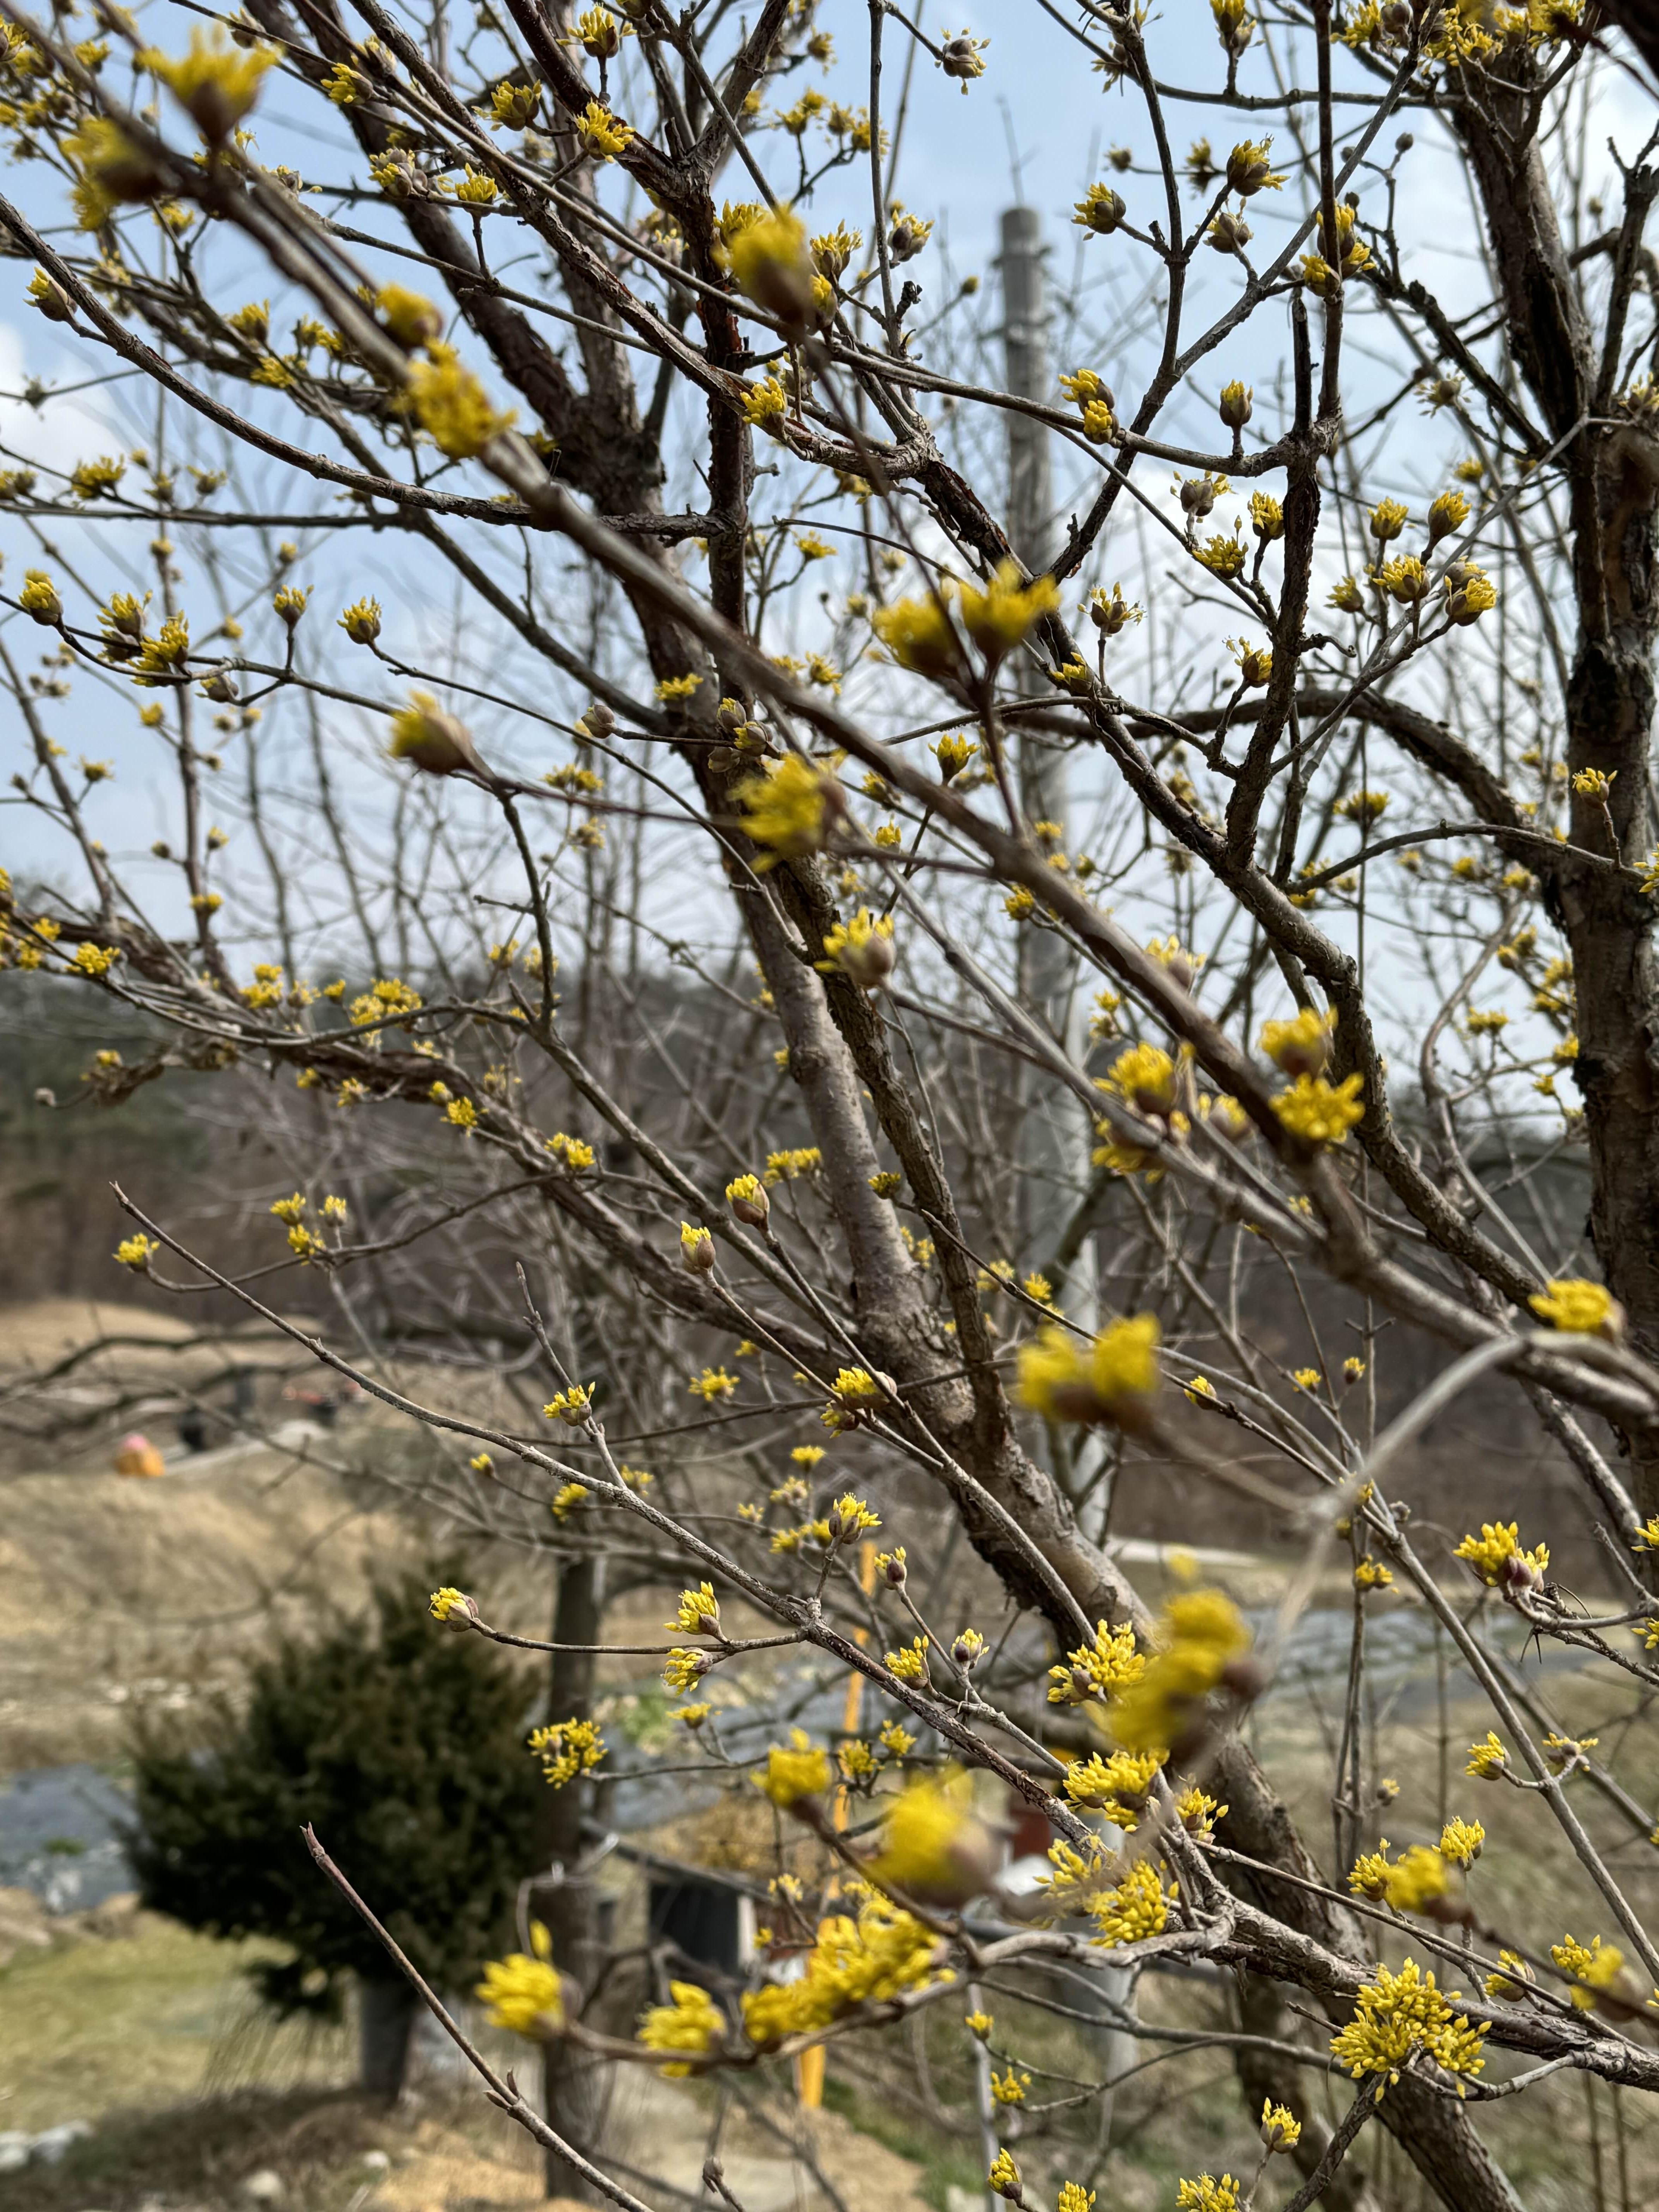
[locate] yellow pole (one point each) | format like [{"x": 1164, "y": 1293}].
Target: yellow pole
[{"x": 809, "y": 2066}]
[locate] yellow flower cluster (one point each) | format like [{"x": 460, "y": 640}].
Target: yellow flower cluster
[
  {"x": 684, "y": 1667},
  {"x": 1206, "y": 2194},
  {"x": 1591, "y": 1967},
  {"x": 770, "y": 258},
  {"x": 861, "y": 949},
  {"x": 698, "y": 1613},
  {"x": 1280, "y": 2129},
  {"x": 1200, "y": 1636},
  {"x": 451, "y": 404},
  {"x": 857, "y": 1394},
  {"x": 1322, "y": 1112},
  {"x": 1401, "y": 2016},
  {"x": 1416, "y": 1880},
  {"x": 1580, "y": 1308},
  {"x": 909, "y": 1663},
  {"x": 1488, "y": 1761},
  {"x": 1118, "y": 1786},
  {"x": 1096, "y": 1669},
  {"x": 1135, "y": 1908},
  {"x": 567, "y": 1749},
  {"x": 919, "y": 635},
  {"x": 692, "y": 2022},
  {"x": 799, "y": 1770},
  {"x": 602, "y": 133},
  {"x": 1461, "y": 1842},
  {"x": 389, "y": 1000},
  {"x": 789, "y": 810},
  {"x": 790, "y": 1166},
  {"x": 1004, "y": 2176},
  {"x": 854, "y": 1961},
  {"x": 934, "y": 1847},
  {"x": 522, "y": 1994},
  {"x": 1496, "y": 1558},
  {"x": 1113, "y": 1379},
  {"x": 1008, "y": 611}
]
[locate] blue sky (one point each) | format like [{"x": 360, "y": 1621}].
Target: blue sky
[{"x": 956, "y": 168}]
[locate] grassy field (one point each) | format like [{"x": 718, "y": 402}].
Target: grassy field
[
  {"x": 150, "y": 2019},
  {"x": 154, "y": 2040}
]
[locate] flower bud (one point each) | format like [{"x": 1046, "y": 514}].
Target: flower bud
[
  {"x": 1248, "y": 169},
  {"x": 1229, "y": 232},
  {"x": 217, "y": 686},
  {"x": 1245, "y": 1676},
  {"x": 749, "y": 1201},
  {"x": 39, "y": 598},
  {"x": 894, "y": 1571},
  {"x": 438, "y": 743},
  {"x": 959, "y": 57},
  {"x": 1280, "y": 2131},
  {"x": 1179, "y": 969},
  {"x": 361, "y": 622},
  {"x": 871, "y": 963},
  {"x": 1234, "y": 404},
  {"x": 1106, "y": 210},
  {"x": 697, "y": 1249},
  {"x": 597, "y": 723},
  {"x": 50, "y": 298},
  {"x": 1518, "y": 1576},
  {"x": 906, "y": 239}
]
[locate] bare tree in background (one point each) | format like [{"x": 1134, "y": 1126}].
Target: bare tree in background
[{"x": 611, "y": 338}]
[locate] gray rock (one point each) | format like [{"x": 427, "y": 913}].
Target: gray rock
[{"x": 51, "y": 2144}]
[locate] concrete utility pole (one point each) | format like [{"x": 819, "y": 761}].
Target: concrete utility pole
[
  {"x": 1053, "y": 1139},
  {"x": 1025, "y": 344}
]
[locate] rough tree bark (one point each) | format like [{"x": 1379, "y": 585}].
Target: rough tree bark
[
  {"x": 573, "y": 2083},
  {"x": 1609, "y": 454}
]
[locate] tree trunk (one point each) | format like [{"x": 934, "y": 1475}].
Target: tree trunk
[
  {"x": 386, "y": 2019},
  {"x": 1609, "y": 458},
  {"x": 573, "y": 2084}
]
